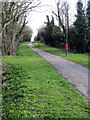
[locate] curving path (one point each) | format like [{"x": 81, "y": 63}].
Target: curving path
[{"x": 76, "y": 74}]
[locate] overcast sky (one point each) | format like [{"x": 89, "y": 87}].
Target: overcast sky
[{"x": 38, "y": 18}]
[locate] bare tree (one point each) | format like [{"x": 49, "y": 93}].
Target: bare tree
[
  {"x": 13, "y": 21},
  {"x": 62, "y": 16}
]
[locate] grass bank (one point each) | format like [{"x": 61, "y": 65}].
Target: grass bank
[
  {"x": 33, "y": 89},
  {"x": 82, "y": 59}
]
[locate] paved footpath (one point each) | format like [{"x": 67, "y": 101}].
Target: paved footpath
[{"x": 76, "y": 74}]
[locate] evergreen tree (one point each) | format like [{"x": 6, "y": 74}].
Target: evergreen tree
[
  {"x": 88, "y": 24},
  {"x": 88, "y": 13},
  {"x": 53, "y": 37},
  {"x": 51, "y": 34},
  {"x": 49, "y": 40},
  {"x": 80, "y": 25}
]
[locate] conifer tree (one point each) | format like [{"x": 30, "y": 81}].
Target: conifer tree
[
  {"x": 80, "y": 25},
  {"x": 88, "y": 24}
]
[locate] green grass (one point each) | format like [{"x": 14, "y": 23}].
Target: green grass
[
  {"x": 82, "y": 59},
  {"x": 33, "y": 89}
]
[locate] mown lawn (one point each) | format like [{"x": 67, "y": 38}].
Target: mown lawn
[
  {"x": 33, "y": 89},
  {"x": 82, "y": 59}
]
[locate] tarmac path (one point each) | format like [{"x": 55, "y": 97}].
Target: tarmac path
[{"x": 76, "y": 74}]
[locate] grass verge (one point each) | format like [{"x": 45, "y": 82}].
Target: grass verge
[
  {"x": 33, "y": 89},
  {"x": 82, "y": 59}
]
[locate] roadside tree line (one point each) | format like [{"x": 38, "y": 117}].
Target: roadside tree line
[{"x": 77, "y": 35}]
